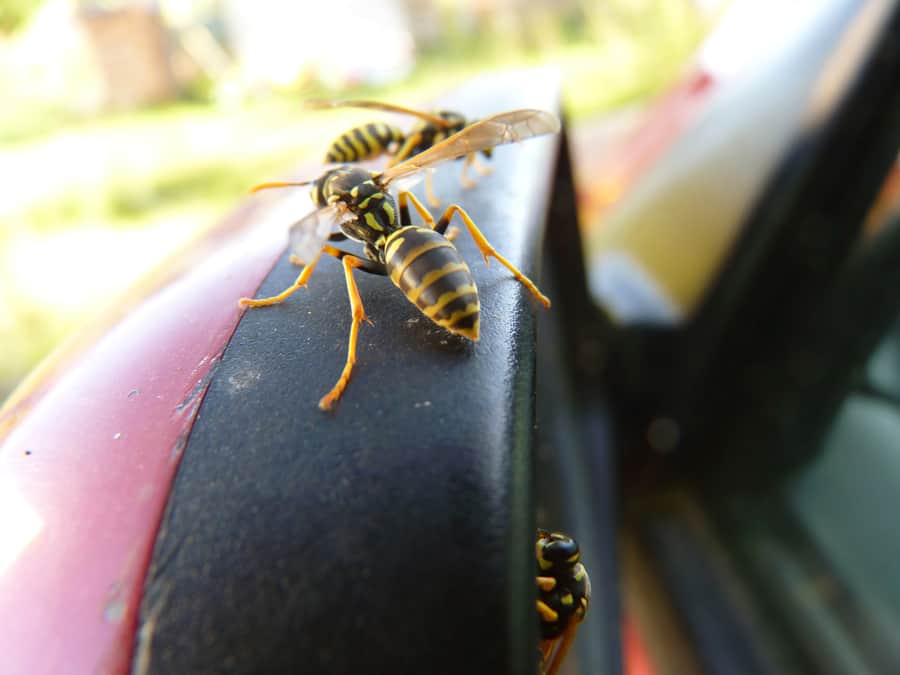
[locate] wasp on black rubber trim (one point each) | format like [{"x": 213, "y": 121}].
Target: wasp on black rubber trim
[
  {"x": 372, "y": 140},
  {"x": 421, "y": 261},
  {"x": 564, "y": 595}
]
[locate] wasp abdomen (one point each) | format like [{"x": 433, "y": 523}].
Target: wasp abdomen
[
  {"x": 426, "y": 266},
  {"x": 364, "y": 142}
]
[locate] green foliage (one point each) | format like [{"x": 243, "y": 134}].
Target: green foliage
[
  {"x": 15, "y": 13},
  {"x": 129, "y": 201}
]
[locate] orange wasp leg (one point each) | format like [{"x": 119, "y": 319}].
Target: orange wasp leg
[
  {"x": 483, "y": 170},
  {"x": 407, "y": 147},
  {"x": 402, "y": 199},
  {"x": 555, "y": 651},
  {"x": 350, "y": 262},
  {"x": 359, "y": 315},
  {"x": 432, "y": 198},
  {"x": 472, "y": 160},
  {"x": 489, "y": 251},
  {"x": 464, "y": 180},
  {"x": 290, "y": 290}
]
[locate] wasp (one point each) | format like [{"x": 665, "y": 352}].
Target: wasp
[
  {"x": 420, "y": 260},
  {"x": 564, "y": 595},
  {"x": 372, "y": 140}
]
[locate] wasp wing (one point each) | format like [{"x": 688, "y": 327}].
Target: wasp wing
[
  {"x": 307, "y": 236},
  {"x": 377, "y": 105},
  {"x": 409, "y": 181},
  {"x": 505, "y": 127}
]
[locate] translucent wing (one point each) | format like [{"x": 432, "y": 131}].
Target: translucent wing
[
  {"x": 409, "y": 181},
  {"x": 307, "y": 236},
  {"x": 377, "y": 105},
  {"x": 505, "y": 127}
]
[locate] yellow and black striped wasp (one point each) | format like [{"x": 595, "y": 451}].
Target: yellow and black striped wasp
[
  {"x": 564, "y": 595},
  {"x": 420, "y": 260},
  {"x": 374, "y": 139}
]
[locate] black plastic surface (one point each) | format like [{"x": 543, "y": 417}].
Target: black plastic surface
[{"x": 396, "y": 533}]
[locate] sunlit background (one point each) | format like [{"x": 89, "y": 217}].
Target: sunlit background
[{"x": 127, "y": 127}]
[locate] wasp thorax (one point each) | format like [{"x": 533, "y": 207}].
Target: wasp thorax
[
  {"x": 568, "y": 601},
  {"x": 359, "y": 195}
]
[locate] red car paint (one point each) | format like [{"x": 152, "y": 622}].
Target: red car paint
[{"x": 89, "y": 450}]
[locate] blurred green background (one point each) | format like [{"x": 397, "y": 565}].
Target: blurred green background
[{"x": 129, "y": 126}]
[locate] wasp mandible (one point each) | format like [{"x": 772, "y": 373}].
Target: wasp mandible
[
  {"x": 420, "y": 260},
  {"x": 564, "y": 595},
  {"x": 368, "y": 141}
]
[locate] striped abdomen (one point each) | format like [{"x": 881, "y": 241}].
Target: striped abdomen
[
  {"x": 364, "y": 142},
  {"x": 429, "y": 270}
]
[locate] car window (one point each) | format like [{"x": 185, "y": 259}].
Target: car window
[{"x": 883, "y": 370}]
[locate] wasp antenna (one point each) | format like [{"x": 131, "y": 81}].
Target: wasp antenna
[
  {"x": 266, "y": 186},
  {"x": 319, "y": 104},
  {"x": 437, "y": 120}
]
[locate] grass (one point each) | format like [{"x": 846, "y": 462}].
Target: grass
[{"x": 133, "y": 201}]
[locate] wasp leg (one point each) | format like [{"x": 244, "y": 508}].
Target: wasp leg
[
  {"x": 406, "y": 149},
  {"x": 489, "y": 251},
  {"x": 290, "y": 290},
  {"x": 482, "y": 170},
  {"x": 546, "y": 649},
  {"x": 429, "y": 192},
  {"x": 555, "y": 652},
  {"x": 464, "y": 180},
  {"x": 402, "y": 198},
  {"x": 405, "y": 221},
  {"x": 359, "y": 315},
  {"x": 304, "y": 278}
]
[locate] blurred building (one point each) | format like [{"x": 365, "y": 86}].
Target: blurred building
[{"x": 133, "y": 53}]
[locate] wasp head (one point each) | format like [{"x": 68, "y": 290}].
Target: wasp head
[
  {"x": 345, "y": 183},
  {"x": 556, "y": 552}
]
